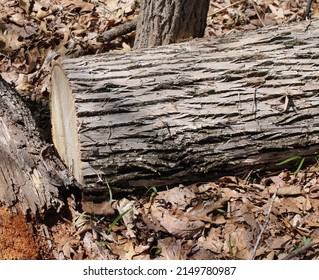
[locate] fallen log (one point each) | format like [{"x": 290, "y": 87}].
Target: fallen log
[
  {"x": 188, "y": 112},
  {"x": 32, "y": 178},
  {"x": 35, "y": 186}
]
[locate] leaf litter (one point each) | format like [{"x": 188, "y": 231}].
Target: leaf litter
[
  {"x": 272, "y": 217},
  {"x": 226, "y": 219}
]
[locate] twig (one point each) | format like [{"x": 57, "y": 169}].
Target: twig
[
  {"x": 255, "y": 7},
  {"x": 118, "y": 31},
  {"x": 236, "y": 3},
  {"x": 299, "y": 251},
  {"x": 308, "y": 8},
  {"x": 225, "y": 8},
  {"x": 265, "y": 223}
]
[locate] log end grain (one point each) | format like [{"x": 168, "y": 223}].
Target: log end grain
[{"x": 64, "y": 122}]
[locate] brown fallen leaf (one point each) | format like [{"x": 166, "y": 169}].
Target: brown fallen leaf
[
  {"x": 180, "y": 226},
  {"x": 126, "y": 207},
  {"x": 214, "y": 241},
  {"x": 104, "y": 208},
  {"x": 312, "y": 221},
  {"x": 178, "y": 197},
  {"x": 93, "y": 250},
  {"x": 200, "y": 211},
  {"x": 287, "y": 190},
  {"x": 238, "y": 242},
  {"x": 314, "y": 191},
  {"x": 183, "y": 228},
  {"x": 277, "y": 242},
  {"x": 174, "y": 249}
]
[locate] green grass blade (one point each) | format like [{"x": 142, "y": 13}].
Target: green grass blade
[
  {"x": 300, "y": 165},
  {"x": 289, "y": 160},
  {"x": 153, "y": 191},
  {"x": 119, "y": 217}
]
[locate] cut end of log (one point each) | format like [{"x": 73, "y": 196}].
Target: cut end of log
[{"x": 64, "y": 122}]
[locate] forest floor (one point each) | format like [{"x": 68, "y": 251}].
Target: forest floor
[{"x": 261, "y": 216}]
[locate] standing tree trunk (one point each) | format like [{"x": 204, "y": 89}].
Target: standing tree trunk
[{"x": 163, "y": 22}]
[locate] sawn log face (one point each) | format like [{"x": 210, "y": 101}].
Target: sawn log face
[{"x": 193, "y": 111}]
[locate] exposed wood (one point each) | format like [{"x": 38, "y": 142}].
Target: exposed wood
[
  {"x": 163, "y": 22},
  {"x": 188, "y": 112}
]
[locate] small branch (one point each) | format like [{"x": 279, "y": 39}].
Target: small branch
[
  {"x": 118, "y": 31},
  {"x": 299, "y": 251},
  {"x": 259, "y": 17},
  {"x": 225, "y": 8},
  {"x": 308, "y": 8},
  {"x": 239, "y": 2},
  {"x": 265, "y": 223}
]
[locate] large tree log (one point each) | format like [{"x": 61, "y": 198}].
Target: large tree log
[{"x": 188, "y": 112}]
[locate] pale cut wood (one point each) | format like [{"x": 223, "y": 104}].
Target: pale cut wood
[
  {"x": 64, "y": 124},
  {"x": 188, "y": 112}
]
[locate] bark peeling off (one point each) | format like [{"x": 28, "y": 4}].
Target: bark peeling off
[
  {"x": 31, "y": 176},
  {"x": 196, "y": 110}
]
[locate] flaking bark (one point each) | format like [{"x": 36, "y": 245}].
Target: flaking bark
[{"x": 32, "y": 178}]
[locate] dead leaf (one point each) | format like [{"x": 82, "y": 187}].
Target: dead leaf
[
  {"x": 26, "y": 5},
  {"x": 278, "y": 12},
  {"x": 178, "y": 197},
  {"x": 214, "y": 241},
  {"x": 180, "y": 226},
  {"x": 288, "y": 190},
  {"x": 278, "y": 242},
  {"x": 104, "y": 208},
  {"x": 314, "y": 191},
  {"x": 183, "y": 228},
  {"x": 200, "y": 211},
  {"x": 238, "y": 242},
  {"x": 124, "y": 205},
  {"x": 94, "y": 251},
  {"x": 129, "y": 251},
  {"x": 174, "y": 249}
]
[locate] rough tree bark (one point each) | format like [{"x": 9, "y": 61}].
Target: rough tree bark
[
  {"x": 163, "y": 22},
  {"x": 188, "y": 112},
  {"x": 34, "y": 183},
  {"x": 32, "y": 178}
]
